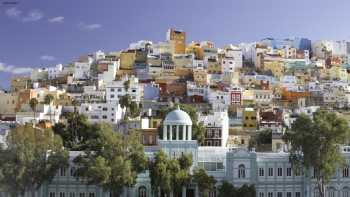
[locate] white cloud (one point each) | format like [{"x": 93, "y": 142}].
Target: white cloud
[
  {"x": 33, "y": 16},
  {"x": 47, "y": 57},
  {"x": 14, "y": 69},
  {"x": 58, "y": 19},
  {"x": 13, "y": 12},
  {"x": 89, "y": 27}
]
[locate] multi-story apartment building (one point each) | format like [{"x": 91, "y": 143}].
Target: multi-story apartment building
[{"x": 128, "y": 85}]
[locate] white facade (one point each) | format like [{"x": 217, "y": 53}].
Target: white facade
[
  {"x": 109, "y": 75},
  {"x": 116, "y": 89},
  {"x": 54, "y": 72},
  {"x": 43, "y": 112},
  {"x": 82, "y": 69},
  {"x": 102, "y": 112},
  {"x": 219, "y": 100},
  {"x": 194, "y": 89}
]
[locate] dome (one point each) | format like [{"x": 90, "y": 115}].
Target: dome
[{"x": 177, "y": 116}]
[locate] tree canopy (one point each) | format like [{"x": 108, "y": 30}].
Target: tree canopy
[
  {"x": 226, "y": 189},
  {"x": 32, "y": 156},
  {"x": 111, "y": 161},
  {"x": 168, "y": 176},
  {"x": 315, "y": 144}
]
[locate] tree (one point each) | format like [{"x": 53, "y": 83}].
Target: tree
[
  {"x": 32, "y": 156},
  {"x": 315, "y": 143},
  {"x": 204, "y": 182},
  {"x": 76, "y": 132},
  {"x": 111, "y": 161},
  {"x": 48, "y": 100},
  {"x": 226, "y": 189},
  {"x": 169, "y": 176},
  {"x": 33, "y": 103}
]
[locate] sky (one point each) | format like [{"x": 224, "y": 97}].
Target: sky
[{"x": 41, "y": 33}]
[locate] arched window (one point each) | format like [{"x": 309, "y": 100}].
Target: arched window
[
  {"x": 142, "y": 191},
  {"x": 241, "y": 171}
]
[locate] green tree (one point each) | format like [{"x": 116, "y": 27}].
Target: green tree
[
  {"x": 169, "y": 176},
  {"x": 315, "y": 143},
  {"x": 48, "y": 100},
  {"x": 112, "y": 161},
  {"x": 33, "y": 103},
  {"x": 32, "y": 156},
  {"x": 204, "y": 182},
  {"x": 76, "y": 132},
  {"x": 226, "y": 189}
]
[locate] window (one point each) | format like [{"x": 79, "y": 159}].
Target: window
[
  {"x": 241, "y": 171},
  {"x": 112, "y": 96},
  {"x": 279, "y": 171},
  {"x": 62, "y": 194},
  {"x": 261, "y": 194},
  {"x": 297, "y": 194},
  {"x": 91, "y": 194},
  {"x": 270, "y": 171},
  {"x": 52, "y": 194},
  {"x": 289, "y": 171},
  {"x": 105, "y": 109},
  {"x": 279, "y": 194},
  {"x": 270, "y": 194},
  {"x": 345, "y": 192},
  {"x": 346, "y": 172},
  {"x": 289, "y": 194},
  {"x": 81, "y": 194},
  {"x": 261, "y": 171},
  {"x": 142, "y": 191},
  {"x": 112, "y": 89},
  {"x": 104, "y": 117},
  {"x": 71, "y": 194}
]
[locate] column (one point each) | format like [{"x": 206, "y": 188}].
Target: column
[
  {"x": 171, "y": 132},
  {"x": 165, "y": 134},
  {"x": 183, "y": 191},
  {"x": 189, "y": 132},
  {"x": 177, "y": 132}
]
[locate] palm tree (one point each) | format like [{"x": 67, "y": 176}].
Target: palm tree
[
  {"x": 48, "y": 100},
  {"x": 33, "y": 103}
]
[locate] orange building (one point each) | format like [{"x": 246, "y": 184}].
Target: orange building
[
  {"x": 178, "y": 40},
  {"x": 293, "y": 96}
]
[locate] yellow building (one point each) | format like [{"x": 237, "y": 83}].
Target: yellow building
[
  {"x": 214, "y": 67},
  {"x": 200, "y": 76},
  {"x": 127, "y": 59},
  {"x": 178, "y": 40},
  {"x": 20, "y": 83},
  {"x": 196, "y": 49},
  {"x": 249, "y": 118},
  {"x": 8, "y": 103},
  {"x": 276, "y": 67},
  {"x": 248, "y": 98}
]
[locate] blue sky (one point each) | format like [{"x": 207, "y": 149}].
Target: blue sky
[{"x": 37, "y": 33}]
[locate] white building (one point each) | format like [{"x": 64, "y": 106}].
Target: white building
[
  {"x": 102, "y": 112},
  {"x": 116, "y": 89},
  {"x": 194, "y": 89},
  {"x": 54, "y": 72},
  {"x": 39, "y": 74},
  {"x": 109, "y": 75},
  {"x": 82, "y": 69},
  {"x": 219, "y": 100},
  {"x": 43, "y": 112}
]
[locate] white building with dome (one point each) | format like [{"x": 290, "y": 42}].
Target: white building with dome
[{"x": 271, "y": 173}]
